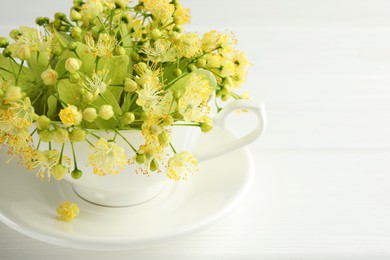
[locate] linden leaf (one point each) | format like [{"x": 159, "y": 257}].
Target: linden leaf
[
  {"x": 69, "y": 92},
  {"x": 117, "y": 67}
]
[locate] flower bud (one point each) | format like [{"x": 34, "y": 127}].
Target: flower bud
[
  {"x": 7, "y": 52},
  {"x": 76, "y": 32},
  {"x": 45, "y": 135},
  {"x": 128, "y": 118},
  {"x": 130, "y": 85},
  {"x": 88, "y": 97},
  {"x": 56, "y": 50},
  {"x": 60, "y": 135},
  {"x": 72, "y": 46},
  {"x": 89, "y": 114},
  {"x": 74, "y": 15},
  {"x": 23, "y": 52},
  {"x": 60, "y": 16},
  {"x": 227, "y": 82},
  {"x": 14, "y": 34},
  {"x": 207, "y": 125},
  {"x": 134, "y": 56},
  {"x": 164, "y": 138},
  {"x": 72, "y": 65},
  {"x": 13, "y": 94},
  {"x": 3, "y": 42},
  {"x": 58, "y": 171},
  {"x": 74, "y": 77},
  {"x": 155, "y": 34},
  {"x": 201, "y": 63},
  {"x": 168, "y": 120},
  {"x": 43, "y": 122},
  {"x": 119, "y": 51},
  {"x": 140, "y": 158},
  {"x": 76, "y": 174},
  {"x": 42, "y": 21},
  {"x": 49, "y": 77},
  {"x": 106, "y": 112},
  {"x": 77, "y": 135},
  {"x": 153, "y": 165},
  {"x": 177, "y": 72},
  {"x": 192, "y": 68}
]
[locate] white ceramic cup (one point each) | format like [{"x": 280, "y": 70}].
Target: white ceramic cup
[{"x": 128, "y": 188}]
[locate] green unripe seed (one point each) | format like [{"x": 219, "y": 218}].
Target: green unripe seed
[
  {"x": 140, "y": 158},
  {"x": 177, "y": 72},
  {"x": 76, "y": 174}
]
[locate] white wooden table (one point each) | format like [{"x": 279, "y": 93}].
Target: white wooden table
[{"x": 322, "y": 189}]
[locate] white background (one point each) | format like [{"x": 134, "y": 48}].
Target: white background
[{"x": 322, "y": 186}]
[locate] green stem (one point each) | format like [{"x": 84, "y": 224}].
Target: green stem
[
  {"x": 132, "y": 147},
  {"x": 186, "y": 124},
  {"x": 33, "y": 132},
  {"x": 62, "y": 153},
  {"x": 20, "y": 71},
  {"x": 173, "y": 149},
  {"x": 74, "y": 156}
]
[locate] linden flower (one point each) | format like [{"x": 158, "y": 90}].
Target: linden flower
[
  {"x": 106, "y": 158},
  {"x": 67, "y": 211},
  {"x": 34, "y": 40},
  {"x": 70, "y": 116},
  {"x": 104, "y": 47},
  {"x": 182, "y": 15},
  {"x": 193, "y": 105},
  {"x": 161, "y": 52},
  {"x": 149, "y": 96},
  {"x": 44, "y": 161},
  {"x": 97, "y": 84},
  {"x": 92, "y": 8},
  {"x": 189, "y": 45},
  {"x": 181, "y": 165},
  {"x": 160, "y": 9},
  {"x": 17, "y": 117}
]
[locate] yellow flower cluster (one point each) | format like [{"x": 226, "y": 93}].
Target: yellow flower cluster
[{"x": 113, "y": 65}]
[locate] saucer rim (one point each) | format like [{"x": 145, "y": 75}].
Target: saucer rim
[{"x": 132, "y": 244}]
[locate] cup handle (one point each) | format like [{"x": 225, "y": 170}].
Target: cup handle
[{"x": 220, "y": 120}]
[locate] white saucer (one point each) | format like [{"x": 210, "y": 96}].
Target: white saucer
[{"x": 28, "y": 205}]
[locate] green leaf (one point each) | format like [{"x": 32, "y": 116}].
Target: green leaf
[
  {"x": 63, "y": 38},
  {"x": 38, "y": 63},
  {"x": 117, "y": 67},
  {"x": 87, "y": 59},
  {"x": 69, "y": 92},
  {"x": 107, "y": 98}
]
